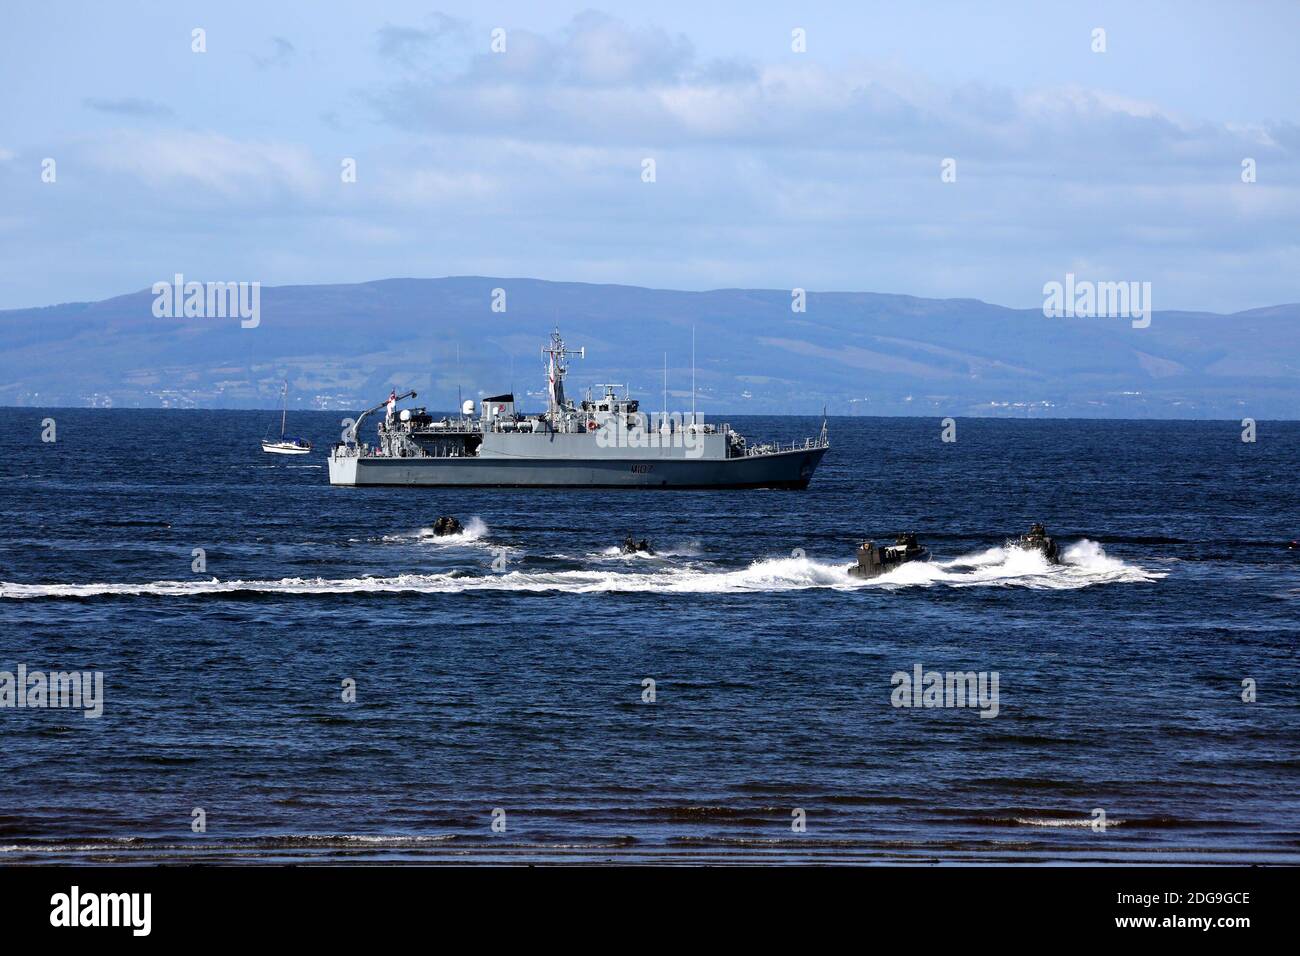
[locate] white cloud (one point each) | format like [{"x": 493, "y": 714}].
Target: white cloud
[
  {"x": 778, "y": 170},
  {"x": 605, "y": 83},
  {"x": 233, "y": 169},
  {"x": 432, "y": 186}
]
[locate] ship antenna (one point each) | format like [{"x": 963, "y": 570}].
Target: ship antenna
[
  {"x": 664, "y": 415},
  {"x": 692, "y": 375}
]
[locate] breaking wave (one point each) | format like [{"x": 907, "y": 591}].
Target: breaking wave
[
  {"x": 1055, "y": 823},
  {"x": 1086, "y": 565}
]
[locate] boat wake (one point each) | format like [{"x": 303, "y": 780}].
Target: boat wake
[
  {"x": 1085, "y": 565},
  {"x": 690, "y": 549},
  {"x": 475, "y": 530}
]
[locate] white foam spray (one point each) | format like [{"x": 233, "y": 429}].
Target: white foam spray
[{"x": 1086, "y": 566}]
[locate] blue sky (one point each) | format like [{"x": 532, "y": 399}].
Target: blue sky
[{"x": 773, "y": 168}]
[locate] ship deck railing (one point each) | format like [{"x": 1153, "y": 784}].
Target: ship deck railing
[
  {"x": 779, "y": 448},
  {"x": 748, "y": 451},
  {"x": 372, "y": 451}
]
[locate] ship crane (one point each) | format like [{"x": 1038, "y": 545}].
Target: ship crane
[{"x": 352, "y": 432}]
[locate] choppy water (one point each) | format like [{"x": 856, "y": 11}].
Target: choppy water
[{"x": 503, "y": 668}]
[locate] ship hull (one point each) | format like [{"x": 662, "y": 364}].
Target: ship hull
[{"x": 791, "y": 469}]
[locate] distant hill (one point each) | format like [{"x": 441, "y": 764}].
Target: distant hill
[{"x": 342, "y": 346}]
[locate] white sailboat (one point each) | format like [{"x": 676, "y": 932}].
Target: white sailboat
[{"x": 287, "y": 444}]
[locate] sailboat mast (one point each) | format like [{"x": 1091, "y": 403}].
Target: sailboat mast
[{"x": 284, "y": 405}]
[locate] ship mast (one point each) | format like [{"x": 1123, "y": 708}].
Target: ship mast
[{"x": 556, "y": 356}]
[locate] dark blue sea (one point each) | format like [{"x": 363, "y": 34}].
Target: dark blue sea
[{"x": 499, "y": 675}]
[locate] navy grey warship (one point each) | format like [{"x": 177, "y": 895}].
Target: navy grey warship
[{"x": 601, "y": 442}]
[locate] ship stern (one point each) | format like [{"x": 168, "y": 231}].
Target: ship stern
[{"x": 343, "y": 468}]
